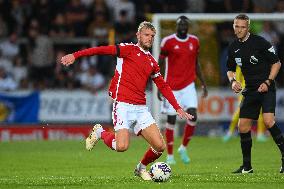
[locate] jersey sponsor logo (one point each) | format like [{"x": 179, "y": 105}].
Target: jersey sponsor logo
[
  {"x": 190, "y": 46},
  {"x": 253, "y": 60},
  {"x": 237, "y": 50},
  {"x": 238, "y": 61},
  {"x": 176, "y": 47},
  {"x": 271, "y": 49}
]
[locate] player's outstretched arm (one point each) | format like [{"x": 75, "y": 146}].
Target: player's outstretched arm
[
  {"x": 102, "y": 50},
  {"x": 183, "y": 114},
  {"x": 68, "y": 59}
]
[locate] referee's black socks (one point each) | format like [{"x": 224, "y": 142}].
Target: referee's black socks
[
  {"x": 278, "y": 138},
  {"x": 246, "y": 144}
]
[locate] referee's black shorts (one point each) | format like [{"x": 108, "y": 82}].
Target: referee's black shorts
[{"x": 253, "y": 101}]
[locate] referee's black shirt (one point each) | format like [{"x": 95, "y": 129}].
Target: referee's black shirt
[{"x": 255, "y": 57}]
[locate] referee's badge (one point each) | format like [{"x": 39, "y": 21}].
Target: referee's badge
[
  {"x": 253, "y": 60},
  {"x": 238, "y": 61}
]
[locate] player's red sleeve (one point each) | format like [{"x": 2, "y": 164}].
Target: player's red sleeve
[
  {"x": 166, "y": 90},
  {"x": 163, "y": 55},
  {"x": 164, "y": 48},
  {"x": 102, "y": 50}
]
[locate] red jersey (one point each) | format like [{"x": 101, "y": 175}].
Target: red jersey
[
  {"x": 182, "y": 54},
  {"x": 133, "y": 69}
]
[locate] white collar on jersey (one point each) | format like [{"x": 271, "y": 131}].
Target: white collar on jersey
[
  {"x": 146, "y": 52},
  {"x": 181, "y": 40},
  {"x": 246, "y": 38}
]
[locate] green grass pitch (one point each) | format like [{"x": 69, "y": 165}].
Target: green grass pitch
[{"x": 66, "y": 164}]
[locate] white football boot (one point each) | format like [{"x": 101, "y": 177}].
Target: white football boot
[
  {"x": 143, "y": 173},
  {"x": 93, "y": 137}
]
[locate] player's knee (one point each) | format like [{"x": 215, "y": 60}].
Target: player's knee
[
  {"x": 170, "y": 126},
  {"x": 268, "y": 122},
  {"x": 243, "y": 128},
  {"x": 192, "y": 111},
  {"x": 160, "y": 147},
  {"x": 121, "y": 147}
]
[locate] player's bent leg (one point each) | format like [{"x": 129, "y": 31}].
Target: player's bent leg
[
  {"x": 122, "y": 140},
  {"x": 94, "y": 137},
  {"x": 153, "y": 136}
]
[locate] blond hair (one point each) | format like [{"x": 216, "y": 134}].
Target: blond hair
[
  {"x": 243, "y": 17},
  {"x": 147, "y": 25}
]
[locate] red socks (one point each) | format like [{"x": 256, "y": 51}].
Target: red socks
[
  {"x": 188, "y": 132},
  {"x": 150, "y": 156},
  {"x": 170, "y": 140},
  {"x": 109, "y": 139}
]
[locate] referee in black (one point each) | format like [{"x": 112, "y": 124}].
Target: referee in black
[{"x": 260, "y": 65}]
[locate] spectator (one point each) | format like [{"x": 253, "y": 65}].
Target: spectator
[
  {"x": 7, "y": 83},
  {"x": 92, "y": 80},
  {"x": 279, "y": 25},
  {"x": 5, "y": 63},
  {"x": 237, "y": 6},
  {"x": 124, "y": 30},
  {"x": 3, "y": 27},
  {"x": 59, "y": 28},
  {"x": 40, "y": 56},
  {"x": 99, "y": 28},
  {"x": 19, "y": 71},
  {"x": 76, "y": 16},
  {"x": 126, "y": 6},
  {"x": 100, "y": 6},
  {"x": 17, "y": 16},
  {"x": 269, "y": 34},
  {"x": 10, "y": 47},
  {"x": 42, "y": 11},
  {"x": 264, "y": 6},
  {"x": 195, "y": 6}
]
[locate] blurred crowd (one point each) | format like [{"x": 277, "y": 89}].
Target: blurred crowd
[{"x": 34, "y": 34}]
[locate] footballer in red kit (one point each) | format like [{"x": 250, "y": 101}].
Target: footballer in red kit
[
  {"x": 135, "y": 65},
  {"x": 179, "y": 62}
]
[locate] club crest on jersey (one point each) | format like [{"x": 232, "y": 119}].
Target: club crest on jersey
[
  {"x": 238, "y": 61},
  {"x": 190, "y": 46},
  {"x": 253, "y": 60},
  {"x": 176, "y": 47}
]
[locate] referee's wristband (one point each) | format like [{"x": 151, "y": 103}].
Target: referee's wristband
[
  {"x": 270, "y": 81},
  {"x": 232, "y": 80},
  {"x": 267, "y": 85}
]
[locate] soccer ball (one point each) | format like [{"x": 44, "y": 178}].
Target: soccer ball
[{"x": 160, "y": 172}]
